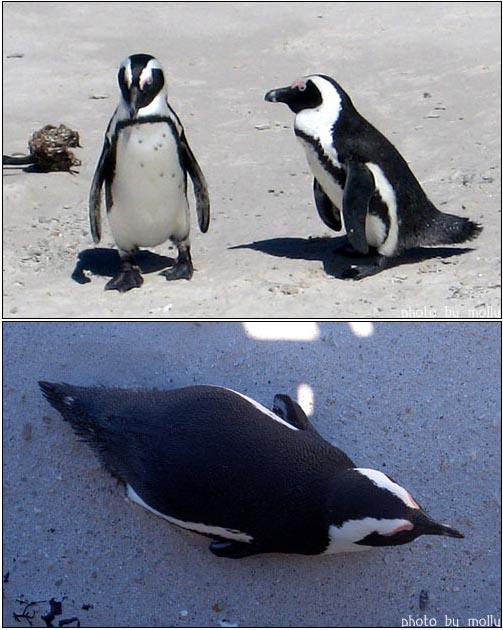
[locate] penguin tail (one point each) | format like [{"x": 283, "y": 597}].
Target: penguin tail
[
  {"x": 59, "y": 395},
  {"x": 448, "y": 229},
  {"x": 66, "y": 399},
  {"x": 73, "y": 404}
]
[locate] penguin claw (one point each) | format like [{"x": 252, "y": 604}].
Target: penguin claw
[
  {"x": 180, "y": 271},
  {"x": 125, "y": 281}
]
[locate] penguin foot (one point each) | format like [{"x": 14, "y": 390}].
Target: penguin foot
[
  {"x": 366, "y": 268},
  {"x": 232, "y": 549},
  {"x": 179, "y": 271},
  {"x": 125, "y": 280}
]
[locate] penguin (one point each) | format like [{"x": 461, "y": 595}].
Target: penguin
[
  {"x": 362, "y": 182},
  {"x": 143, "y": 166},
  {"x": 217, "y": 462}
]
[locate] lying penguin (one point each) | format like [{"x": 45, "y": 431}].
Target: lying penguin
[
  {"x": 359, "y": 172},
  {"x": 144, "y": 165},
  {"x": 218, "y": 463}
]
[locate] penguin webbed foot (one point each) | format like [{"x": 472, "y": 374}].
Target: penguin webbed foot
[
  {"x": 179, "y": 271},
  {"x": 369, "y": 266},
  {"x": 125, "y": 280},
  {"x": 183, "y": 268},
  {"x": 232, "y": 549}
]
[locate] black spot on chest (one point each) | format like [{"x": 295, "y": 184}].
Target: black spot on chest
[{"x": 110, "y": 166}]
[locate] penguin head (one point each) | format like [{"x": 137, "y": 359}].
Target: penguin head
[
  {"x": 314, "y": 92},
  {"x": 302, "y": 94},
  {"x": 141, "y": 81},
  {"x": 369, "y": 509}
]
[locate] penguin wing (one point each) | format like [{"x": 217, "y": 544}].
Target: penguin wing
[
  {"x": 291, "y": 412},
  {"x": 95, "y": 193},
  {"x": 358, "y": 190},
  {"x": 199, "y": 183},
  {"x": 328, "y": 211}
]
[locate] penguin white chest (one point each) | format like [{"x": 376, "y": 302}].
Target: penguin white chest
[
  {"x": 325, "y": 179},
  {"x": 148, "y": 189},
  {"x": 317, "y": 125}
]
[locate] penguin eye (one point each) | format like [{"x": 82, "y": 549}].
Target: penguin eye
[
  {"x": 302, "y": 87},
  {"x": 149, "y": 81}
]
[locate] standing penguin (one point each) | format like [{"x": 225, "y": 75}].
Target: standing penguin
[
  {"x": 357, "y": 170},
  {"x": 144, "y": 165},
  {"x": 218, "y": 463}
]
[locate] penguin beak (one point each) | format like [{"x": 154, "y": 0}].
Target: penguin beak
[
  {"x": 281, "y": 95},
  {"x": 134, "y": 101},
  {"x": 430, "y": 527},
  {"x": 445, "y": 530}
]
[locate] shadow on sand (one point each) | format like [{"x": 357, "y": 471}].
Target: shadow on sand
[
  {"x": 106, "y": 262},
  {"x": 335, "y": 263}
]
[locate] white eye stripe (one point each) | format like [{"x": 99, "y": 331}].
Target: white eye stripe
[
  {"x": 383, "y": 481},
  {"x": 145, "y": 81},
  {"x": 154, "y": 64},
  {"x": 146, "y": 76},
  {"x": 128, "y": 75}
]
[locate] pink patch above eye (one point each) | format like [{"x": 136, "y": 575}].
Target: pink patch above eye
[
  {"x": 403, "y": 528},
  {"x": 299, "y": 84},
  {"x": 414, "y": 504}
]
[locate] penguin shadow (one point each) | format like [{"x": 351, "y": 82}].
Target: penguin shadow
[
  {"x": 100, "y": 261},
  {"x": 335, "y": 263}
]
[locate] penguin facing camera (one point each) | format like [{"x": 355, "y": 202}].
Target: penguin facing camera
[
  {"x": 143, "y": 166},
  {"x": 360, "y": 175},
  {"x": 216, "y": 462}
]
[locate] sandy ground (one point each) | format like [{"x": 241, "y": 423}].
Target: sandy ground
[
  {"x": 426, "y": 74},
  {"x": 418, "y": 401}
]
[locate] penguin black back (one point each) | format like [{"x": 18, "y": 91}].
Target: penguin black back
[
  {"x": 178, "y": 428},
  {"x": 423, "y": 224}
]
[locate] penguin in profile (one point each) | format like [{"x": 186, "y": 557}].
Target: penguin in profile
[
  {"x": 358, "y": 173},
  {"x": 218, "y": 463},
  {"x": 143, "y": 165}
]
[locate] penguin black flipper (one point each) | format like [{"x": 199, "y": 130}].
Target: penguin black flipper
[
  {"x": 100, "y": 175},
  {"x": 358, "y": 191},
  {"x": 328, "y": 211},
  {"x": 291, "y": 412},
  {"x": 199, "y": 182},
  {"x": 233, "y": 549}
]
